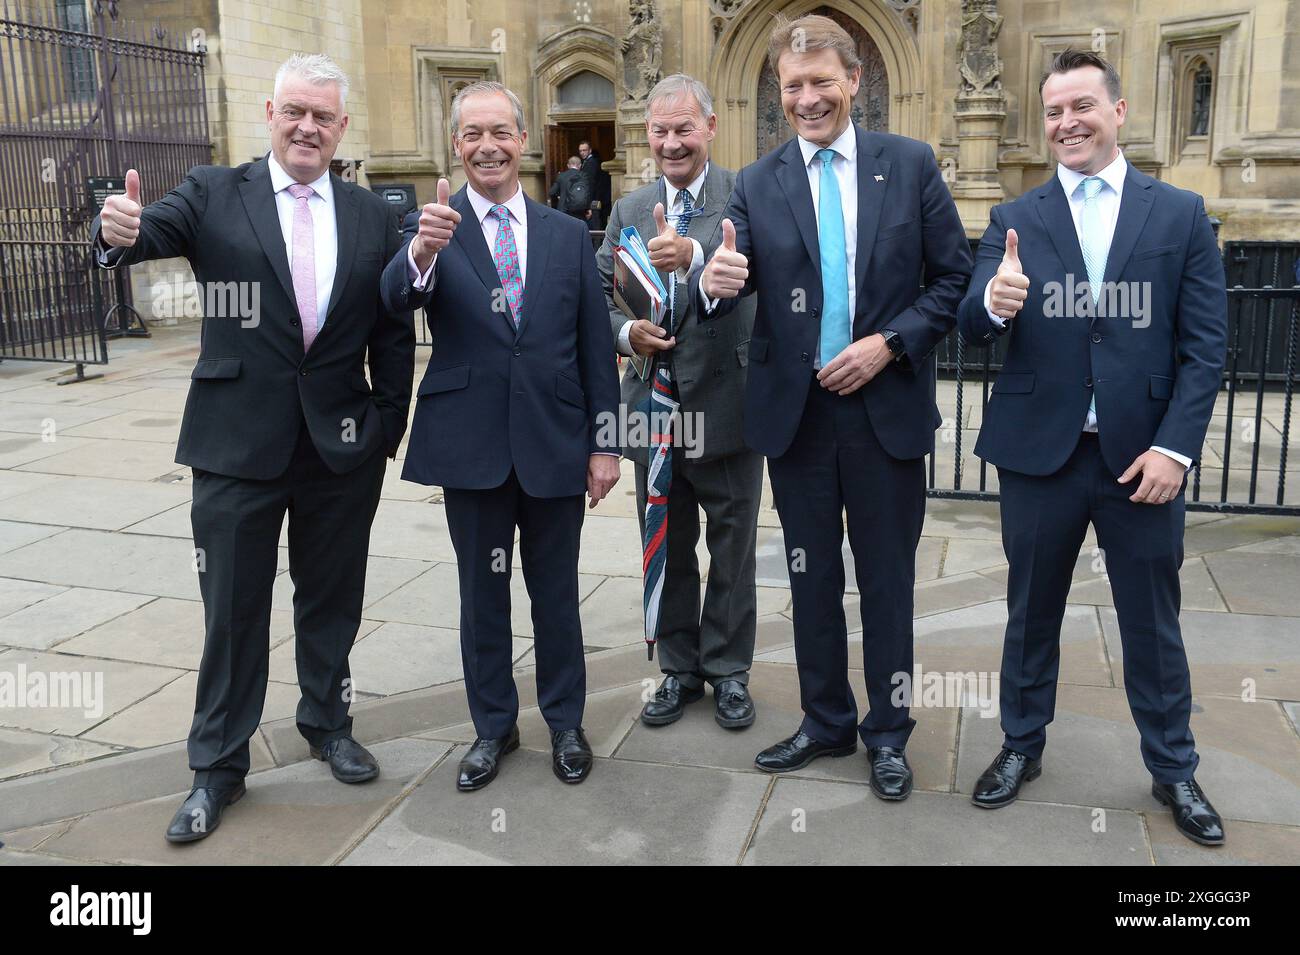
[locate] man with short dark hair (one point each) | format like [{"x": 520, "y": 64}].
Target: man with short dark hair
[
  {"x": 570, "y": 193},
  {"x": 1111, "y": 289}
]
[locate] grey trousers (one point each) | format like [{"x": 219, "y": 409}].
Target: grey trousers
[{"x": 717, "y": 642}]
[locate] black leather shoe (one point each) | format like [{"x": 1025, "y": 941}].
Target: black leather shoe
[
  {"x": 350, "y": 762},
  {"x": 1000, "y": 784},
  {"x": 733, "y": 707},
  {"x": 798, "y": 751},
  {"x": 669, "y": 702},
  {"x": 479, "y": 766},
  {"x": 571, "y": 755},
  {"x": 1193, "y": 814},
  {"x": 891, "y": 777},
  {"x": 201, "y": 812}
]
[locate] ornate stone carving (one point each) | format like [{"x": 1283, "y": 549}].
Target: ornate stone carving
[
  {"x": 642, "y": 50},
  {"x": 977, "y": 52}
]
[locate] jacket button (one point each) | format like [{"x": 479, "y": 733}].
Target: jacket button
[
  {"x": 293, "y": 322},
  {"x": 717, "y": 373},
  {"x": 1096, "y": 338},
  {"x": 713, "y": 333},
  {"x": 803, "y": 357},
  {"x": 303, "y": 372},
  {"x": 814, "y": 313},
  {"x": 516, "y": 352},
  {"x": 1087, "y": 382}
]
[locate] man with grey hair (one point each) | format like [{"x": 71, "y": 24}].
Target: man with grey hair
[
  {"x": 280, "y": 418},
  {"x": 680, "y": 216}
]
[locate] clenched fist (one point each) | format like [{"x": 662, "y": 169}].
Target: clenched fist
[
  {"x": 728, "y": 270},
  {"x": 437, "y": 222},
  {"x": 119, "y": 222},
  {"x": 1010, "y": 286}
]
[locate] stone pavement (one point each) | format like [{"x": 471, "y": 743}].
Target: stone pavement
[{"x": 95, "y": 578}]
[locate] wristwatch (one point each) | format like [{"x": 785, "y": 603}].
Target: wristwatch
[{"x": 895, "y": 343}]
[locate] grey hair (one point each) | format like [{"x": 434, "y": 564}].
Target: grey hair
[
  {"x": 574, "y": 162},
  {"x": 676, "y": 85},
  {"x": 317, "y": 69},
  {"x": 485, "y": 86}
]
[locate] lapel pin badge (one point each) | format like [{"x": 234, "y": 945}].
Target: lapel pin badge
[{"x": 879, "y": 178}]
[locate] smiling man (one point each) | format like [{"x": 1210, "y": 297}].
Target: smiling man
[
  {"x": 1095, "y": 417},
  {"x": 280, "y": 419},
  {"x": 506, "y": 420},
  {"x": 833, "y": 230}
]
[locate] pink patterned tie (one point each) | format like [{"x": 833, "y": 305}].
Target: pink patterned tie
[{"x": 304, "y": 261}]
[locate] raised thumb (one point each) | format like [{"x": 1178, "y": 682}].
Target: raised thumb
[
  {"x": 1012, "y": 255},
  {"x": 661, "y": 221},
  {"x": 444, "y": 191},
  {"x": 133, "y": 185},
  {"x": 728, "y": 235}
]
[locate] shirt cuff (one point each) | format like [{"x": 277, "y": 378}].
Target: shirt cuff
[
  {"x": 709, "y": 303},
  {"x": 609, "y": 454},
  {"x": 697, "y": 263},
  {"x": 997, "y": 320},
  {"x": 625, "y": 340},
  {"x": 419, "y": 282},
  {"x": 1185, "y": 461}
]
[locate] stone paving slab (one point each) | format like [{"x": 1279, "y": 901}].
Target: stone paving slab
[
  {"x": 1229, "y": 654},
  {"x": 19, "y": 449},
  {"x": 1250, "y": 756},
  {"x": 105, "y": 458},
  {"x": 15, "y": 534},
  {"x": 93, "y": 502},
  {"x": 297, "y": 815},
  {"x": 1258, "y": 583},
  {"x": 845, "y": 824},
  {"x": 625, "y": 813},
  {"x": 22, "y": 751},
  {"x": 64, "y": 615}
]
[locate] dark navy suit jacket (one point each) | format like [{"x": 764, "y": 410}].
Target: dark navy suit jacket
[
  {"x": 1155, "y": 370},
  {"x": 909, "y": 233},
  {"x": 495, "y": 397}
]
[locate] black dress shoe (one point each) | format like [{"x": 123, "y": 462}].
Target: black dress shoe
[
  {"x": 891, "y": 777},
  {"x": 669, "y": 702},
  {"x": 479, "y": 766},
  {"x": 1193, "y": 814},
  {"x": 350, "y": 762},
  {"x": 733, "y": 707},
  {"x": 1000, "y": 784},
  {"x": 201, "y": 812},
  {"x": 571, "y": 756},
  {"x": 798, "y": 751}
]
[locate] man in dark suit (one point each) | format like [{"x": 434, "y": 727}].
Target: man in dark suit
[
  {"x": 279, "y": 418},
  {"x": 1101, "y": 405},
  {"x": 507, "y": 419},
  {"x": 833, "y": 230},
  {"x": 680, "y": 217},
  {"x": 599, "y": 181},
  {"x": 571, "y": 193}
]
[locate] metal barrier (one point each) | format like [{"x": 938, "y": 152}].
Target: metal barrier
[{"x": 82, "y": 99}]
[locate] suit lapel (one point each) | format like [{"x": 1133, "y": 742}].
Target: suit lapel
[
  {"x": 469, "y": 236},
  {"x": 540, "y": 241},
  {"x": 871, "y": 199},
  {"x": 794, "y": 182},
  {"x": 259, "y": 203},
  {"x": 347, "y": 214},
  {"x": 1134, "y": 207},
  {"x": 1054, "y": 210}
]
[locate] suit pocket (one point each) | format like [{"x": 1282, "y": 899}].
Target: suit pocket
[
  {"x": 758, "y": 349},
  {"x": 1157, "y": 252},
  {"x": 890, "y": 232},
  {"x": 1013, "y": 383},
  {"x": 568, "y": 390},
  {"x": 448, "y": 379},
  {"x": 1162, "y": 388},
  {"x": 207, "y": 368},
  {"x": 742, "y": 353}
]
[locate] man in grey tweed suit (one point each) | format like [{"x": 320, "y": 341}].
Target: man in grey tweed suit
[{"x": 679, "y": 216}]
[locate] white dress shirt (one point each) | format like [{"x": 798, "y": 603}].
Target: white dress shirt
[
  {"x": 673, "y": 207},
  {"x": 326, "y": 246},
  {"x": 490, "y": 226},
  {"x": 1112, "y": 192}
]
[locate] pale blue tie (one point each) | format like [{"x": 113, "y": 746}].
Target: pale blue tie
[
  {"x": 836, "y": 330},
  {"x": 1092, "y": 239}
]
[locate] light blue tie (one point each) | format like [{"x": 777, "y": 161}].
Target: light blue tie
[
  {"x": 1092, "y": 239},
  {"x": 836, "y": 329}
]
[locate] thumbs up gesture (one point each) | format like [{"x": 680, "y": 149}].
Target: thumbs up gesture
[
  {"x": 1010, "y": 286},
  {"x": 119, "y": 222},
  {"x": 668, "y": 250},
  {"x": 728, "y": 270},
  {"x": 437, "y": 222}
]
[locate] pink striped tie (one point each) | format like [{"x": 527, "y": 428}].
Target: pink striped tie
[{"x": 304, "y": 261}]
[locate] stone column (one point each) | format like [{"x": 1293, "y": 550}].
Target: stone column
[
  {"x": 642, "y": 50},
  {"x": 981, "y": 109}
]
